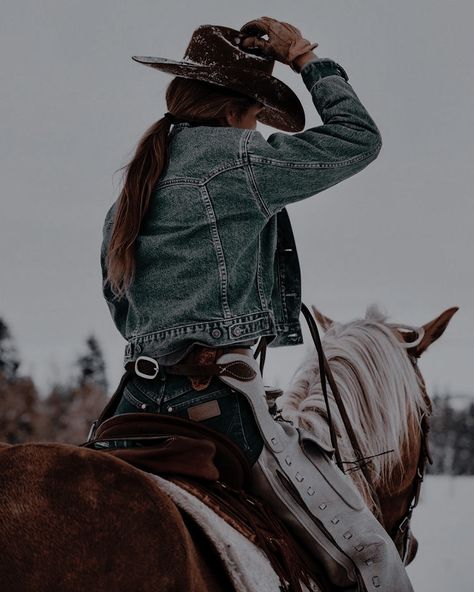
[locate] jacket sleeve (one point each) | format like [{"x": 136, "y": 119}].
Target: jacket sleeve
[
  {"x": 118, "y": 307},
  {"x": 287, "y": 168}
]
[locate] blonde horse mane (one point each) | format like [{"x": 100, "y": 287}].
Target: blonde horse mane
[{"x": 382, "y": 393}]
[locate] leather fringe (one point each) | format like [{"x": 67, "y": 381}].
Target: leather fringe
[{"x": 257, "y": 522}]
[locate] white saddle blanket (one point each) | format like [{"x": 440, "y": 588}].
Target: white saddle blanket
[{"x": 246, "y": 564}]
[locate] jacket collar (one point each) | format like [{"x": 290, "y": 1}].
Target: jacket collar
[{"x": 177, "y": 127}]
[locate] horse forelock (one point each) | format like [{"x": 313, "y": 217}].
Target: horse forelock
[{"x": 381, "y": 391}]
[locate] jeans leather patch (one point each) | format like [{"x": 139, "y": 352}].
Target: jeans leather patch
[{"x": 204, "y": 410}]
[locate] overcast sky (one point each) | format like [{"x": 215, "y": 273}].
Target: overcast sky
[{"x": 73, "y": 105}]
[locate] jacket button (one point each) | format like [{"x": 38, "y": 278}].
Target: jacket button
[
  {"x": 216, "y": 333},
  {"x": 236, "y": 331},
  {"x": 138, "y": 349}
]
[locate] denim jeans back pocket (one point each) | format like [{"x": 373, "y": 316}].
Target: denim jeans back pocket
[
  {"x": 218, "y": 410},
  {"x": 218, "y": 407}
]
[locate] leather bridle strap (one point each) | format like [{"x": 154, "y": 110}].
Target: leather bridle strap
[{"x": 402, "y": 535}]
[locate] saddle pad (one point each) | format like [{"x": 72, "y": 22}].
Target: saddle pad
[{"x": 246, "y": 564}]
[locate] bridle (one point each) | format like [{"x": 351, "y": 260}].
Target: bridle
[
  {"x": 402, "y": 536},
  {"x": 403, "y": 533}
]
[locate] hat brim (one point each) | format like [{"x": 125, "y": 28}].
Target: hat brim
[{"x": 282, "y": 108}]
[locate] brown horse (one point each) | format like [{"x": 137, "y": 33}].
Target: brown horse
[
  {"x": 77, "y": 519},
  {"x": 74, "y": 519}
]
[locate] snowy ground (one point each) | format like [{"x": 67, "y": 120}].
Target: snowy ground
[{"x": 443, "y": 523}]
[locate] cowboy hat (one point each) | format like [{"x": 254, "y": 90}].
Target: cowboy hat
[{"x": 213, "y": 55}]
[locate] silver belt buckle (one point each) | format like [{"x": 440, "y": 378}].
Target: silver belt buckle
[{"x": 142, "y": 374}]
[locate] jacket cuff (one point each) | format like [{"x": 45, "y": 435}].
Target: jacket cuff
[{"x": 319, "y": 68}]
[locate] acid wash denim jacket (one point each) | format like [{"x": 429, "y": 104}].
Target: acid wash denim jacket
[{"x": 216, "y": 259}]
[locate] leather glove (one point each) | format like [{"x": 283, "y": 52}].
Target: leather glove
[{"x": 285, "y": 42}]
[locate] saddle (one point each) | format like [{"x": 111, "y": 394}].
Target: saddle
[
  {"x": 171, "y": 445},
  {"x": 212, "y": 468},
  {"x": 167, "y": 444}
]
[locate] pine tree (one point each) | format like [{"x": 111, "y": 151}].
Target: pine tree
[
  {"x": 463, "y": 441},
  {"x": 9, "y": 360},
  {"x": 441, "y": 436},
  {"x": 73, "y": 406},
  {"x": 91, "y": 366},
  {"x": 20, "y": 414}
]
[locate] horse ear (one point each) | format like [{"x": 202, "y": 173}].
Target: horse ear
[
  {"x": 433, "y": 331},
  {"x": 324, "y": 322}
]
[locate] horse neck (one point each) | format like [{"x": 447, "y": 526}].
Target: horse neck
[
  {"x": 382, "y": 396},
  {"x": 395, "y": 495},
  {"x": 396, "y": 498}
]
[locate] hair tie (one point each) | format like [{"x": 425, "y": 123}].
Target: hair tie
[{"x": 170, "y": 117}]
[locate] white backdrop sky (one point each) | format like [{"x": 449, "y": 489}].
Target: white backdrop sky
[{"x": 73, "y": 105}]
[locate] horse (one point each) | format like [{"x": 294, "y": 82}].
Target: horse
[{"x": 73, "y": 519}]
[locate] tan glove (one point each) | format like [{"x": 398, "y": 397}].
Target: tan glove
[{"x": 285, "y": 42}]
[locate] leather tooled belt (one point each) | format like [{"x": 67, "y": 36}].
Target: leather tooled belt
[{"x": 198, "y": 364}]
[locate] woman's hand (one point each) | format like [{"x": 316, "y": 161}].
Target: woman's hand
[{"x": 285, "y": 42}]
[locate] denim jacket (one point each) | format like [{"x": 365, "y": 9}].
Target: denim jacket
[{"x": 216, "y": 259}]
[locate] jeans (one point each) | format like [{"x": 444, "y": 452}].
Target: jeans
[{"x": 173, "y": 395}]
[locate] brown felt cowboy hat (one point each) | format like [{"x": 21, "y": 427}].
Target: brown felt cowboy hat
[{"x": 213, "y": 55}]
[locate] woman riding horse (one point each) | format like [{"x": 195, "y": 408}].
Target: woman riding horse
[{"x": 198, "y": 255}]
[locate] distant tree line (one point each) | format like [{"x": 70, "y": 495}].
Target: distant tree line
[
  {"x": 452, "y": 435},
  {"x": 66, "y": 412}
]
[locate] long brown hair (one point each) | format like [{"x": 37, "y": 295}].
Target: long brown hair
[{"x": 189, "y": 100}]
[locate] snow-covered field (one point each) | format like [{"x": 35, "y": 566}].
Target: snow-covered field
[{"x": 443, "y": 523}]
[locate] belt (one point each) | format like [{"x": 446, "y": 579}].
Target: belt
[{"x": 148, "y": 367}]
